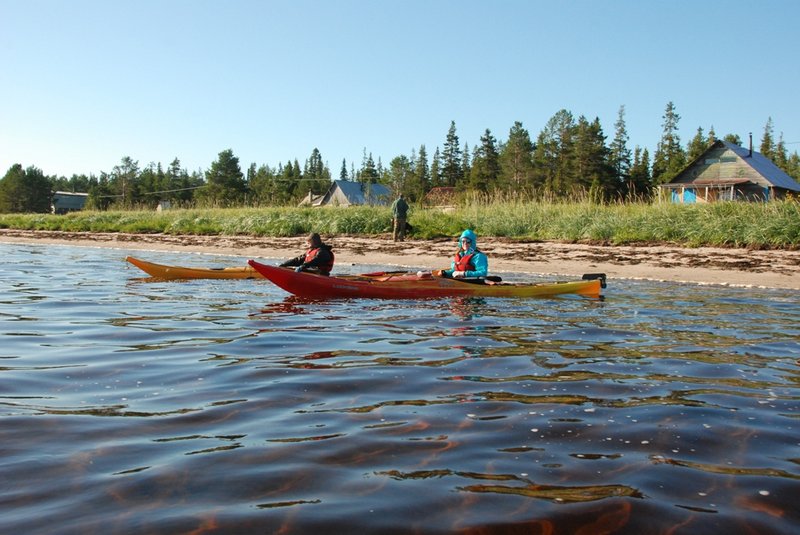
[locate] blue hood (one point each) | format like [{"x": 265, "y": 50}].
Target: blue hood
[{"x": 472, "y": 236}]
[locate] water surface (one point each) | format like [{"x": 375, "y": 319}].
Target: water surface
[{"x": 136, "y": 406}]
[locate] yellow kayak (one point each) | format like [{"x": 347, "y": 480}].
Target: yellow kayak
[{"x": 161, "y": 271}]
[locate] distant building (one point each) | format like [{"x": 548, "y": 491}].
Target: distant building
[
  {"x": 346, "y": 193},
  {"x": 728, "y": 172},
  {"x": 311, "y": 200},
  {"x": 65, "y": 201},
  {"x": 163, "y": 205},
  {"x": 443, "y": 197}
]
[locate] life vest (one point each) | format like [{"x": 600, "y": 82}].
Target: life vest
[
  {"x": 323, "y": 268},
  {"x": 464, "y": 263}
]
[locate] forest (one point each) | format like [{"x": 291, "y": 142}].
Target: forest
[{"x": 569, "y": 159}]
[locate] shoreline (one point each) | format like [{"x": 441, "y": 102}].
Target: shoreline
[{"x": 704, "y": 265}]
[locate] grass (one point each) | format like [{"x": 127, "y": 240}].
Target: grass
[{"x": 739, "y": 224}]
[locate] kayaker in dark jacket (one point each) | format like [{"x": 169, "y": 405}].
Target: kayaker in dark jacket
[{"x": 318, "y": 259}]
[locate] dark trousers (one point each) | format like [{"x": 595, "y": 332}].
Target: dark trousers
[{"x": 399, "y": 230}]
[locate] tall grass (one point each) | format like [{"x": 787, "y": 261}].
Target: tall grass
[{"x": 757, "y": 225}]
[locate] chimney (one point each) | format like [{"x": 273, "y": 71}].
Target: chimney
[{"x": 751, "y": 145}]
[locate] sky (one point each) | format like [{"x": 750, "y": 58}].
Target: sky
[{"x": 85, "y": 83}]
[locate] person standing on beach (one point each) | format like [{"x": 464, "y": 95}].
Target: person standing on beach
[{"x": 399, "y": 215}]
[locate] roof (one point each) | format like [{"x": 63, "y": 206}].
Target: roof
[
  {"x": 764, "y": 166},
  {"x": 358, "y": 193}
]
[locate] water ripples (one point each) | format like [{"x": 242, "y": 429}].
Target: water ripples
[{"x": 137, "y": 406}]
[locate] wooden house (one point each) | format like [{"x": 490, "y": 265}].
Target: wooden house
[
  {"x": 346, "y": 193},
  {"x": 728, "y": 172},
  {"x": 311, "y": 199},
  {"x": 443, "y": 197},
  {"x": 65, "y": 201}
]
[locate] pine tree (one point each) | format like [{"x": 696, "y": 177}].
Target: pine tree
[
  {"x": 620, "y": 155},
  {"x": 733, "y": 138},
  {"x": 25, "y": 190},
  {"x": 485, "y": 170},
  {"x": 669, "y": 158},
  {"x": 265, "y": 187},
  {"x": 780, "y": 156},
  {"x": 593, "y": 172},
  {"x": 421, "y": 176},
  {"x": 516, "y": 160},
  {"x": 368, "y": 174},
  {"x": 225, "y": 185},
  {"x": 793, "y": 166},
  {"x": 712, "y": 135},
  {"x": 554, "y": 160},
  {"x": 768, "y": 141},
  {"x": 316, "y": 175},
  {"x": 466, "y": 162},
  {"x": 451, "y": 171},
  {"x": 640, "y": 182},
  {"x": 401, "y": 176},
  {"x": 697, "y": 145},
  {"x": 125, "y": 181},
  {"x": 343, "y": 171},
  {"x": 436, "y": 176}
]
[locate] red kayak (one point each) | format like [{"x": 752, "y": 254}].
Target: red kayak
[{"x": 418, "y": 286}]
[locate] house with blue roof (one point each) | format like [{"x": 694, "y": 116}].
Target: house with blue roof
[
  {"x": 347, "y": 193},
  {"x": 728, "y": 172},
  {"x": 63, "y": 202}
]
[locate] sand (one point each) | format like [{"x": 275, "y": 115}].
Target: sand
[{"x": 704, "y": 265}]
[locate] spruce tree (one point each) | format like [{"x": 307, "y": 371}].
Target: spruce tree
[
  {"x": 640, "y": 182},
  {"x": 400, "y": 177},
  {"x": 592, "y": 170},
  {"x": 24, "y": 191},
  {"x": 733, "y": 138},
  {"x": 436, "y": 175},
  {"x": 516, "y": 160},
  {"x": 620, "y": 155},
  {"x": 554, "y": 155},
  {"x": 225, "y": 185},
  {"x": 451, "y": 170},
  {"x": 466, "y": 163},
  {"x": 368, "y": 174},
  {"x": 485, "y": 170},
  {"x": 421, "y": 177},
  {"x": 316, "y": 175},
  {"x": 780, "y": 156},
  {"x": 768, "y": 141},
  {"x": 669, "y": 158},
  {"x": 697, "y": 145}
]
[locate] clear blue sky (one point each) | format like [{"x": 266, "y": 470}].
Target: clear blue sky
[{"x": 84, "y": 83}]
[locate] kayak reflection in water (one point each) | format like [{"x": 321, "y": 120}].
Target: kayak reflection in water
[
  {"x": 469, "y": 261},
  {"x": 318, "y": 259}
]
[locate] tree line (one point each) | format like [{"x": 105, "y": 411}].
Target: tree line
[{"x": 569, "y": 157}]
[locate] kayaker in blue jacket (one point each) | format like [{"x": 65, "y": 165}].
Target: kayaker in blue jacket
[{"x": 469, "y": 261}]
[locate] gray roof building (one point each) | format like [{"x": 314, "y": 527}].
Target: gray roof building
[
  {"x": 346, "y": 193},
  {"x": 726, "y": 171}
]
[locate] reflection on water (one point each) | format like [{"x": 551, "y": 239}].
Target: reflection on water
[{"x": 136, "y": 406}]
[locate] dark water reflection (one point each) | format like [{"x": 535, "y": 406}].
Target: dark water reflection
[{"x": 133, "y": 406}]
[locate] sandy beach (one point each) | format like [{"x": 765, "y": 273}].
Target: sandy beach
[{"x": 704, "y": 265}]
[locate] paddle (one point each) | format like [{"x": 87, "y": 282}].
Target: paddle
[{"x": 476, "y": 280}]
